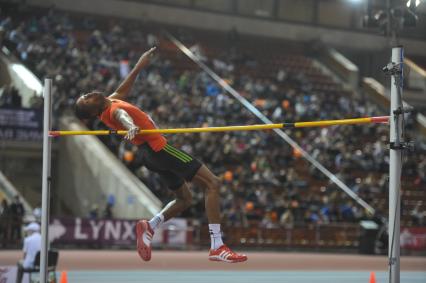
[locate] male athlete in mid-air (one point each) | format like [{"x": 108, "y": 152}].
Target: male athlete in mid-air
[{"x": 176, "y": 167}]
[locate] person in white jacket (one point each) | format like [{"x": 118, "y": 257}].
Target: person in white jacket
[{"x": 32, "y": 245}]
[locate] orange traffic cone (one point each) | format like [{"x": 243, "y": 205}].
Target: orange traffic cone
[
  {"x": 64, "y": 278},
  {"x": 372, "y": 277}
]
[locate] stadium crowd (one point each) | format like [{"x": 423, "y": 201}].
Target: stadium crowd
[
  {"x": 11, "y": 216},
  {"x": 264, "y": 179}
]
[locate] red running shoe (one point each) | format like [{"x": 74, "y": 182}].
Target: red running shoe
[
  {"x": 223, "y": 253},
  {"x": 144, "y": 234}
]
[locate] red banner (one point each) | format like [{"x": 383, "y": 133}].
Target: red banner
[{"x": 413, "y": 238}]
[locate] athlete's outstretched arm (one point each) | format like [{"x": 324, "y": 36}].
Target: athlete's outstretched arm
[
  {"x": 124, "y": 119},
  {"x": 123, "y": 90}
]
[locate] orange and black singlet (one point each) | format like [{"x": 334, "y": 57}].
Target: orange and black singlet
[{"x": 156, "y": 141}]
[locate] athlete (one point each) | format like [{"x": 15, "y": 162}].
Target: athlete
[{"x": 175, "y": 166}]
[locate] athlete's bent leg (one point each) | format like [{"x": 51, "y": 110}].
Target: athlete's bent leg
[
  {"x": 183, "y": 201},
  {"x": 145, "y": 229}
]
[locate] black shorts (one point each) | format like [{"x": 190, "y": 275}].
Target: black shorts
[{"x": 173, "y": 165}]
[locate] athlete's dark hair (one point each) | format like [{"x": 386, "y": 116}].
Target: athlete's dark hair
[{"x": 84, "y": 111}]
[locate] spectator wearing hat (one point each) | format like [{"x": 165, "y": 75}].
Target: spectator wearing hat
[{"x": 32, "y": 245}]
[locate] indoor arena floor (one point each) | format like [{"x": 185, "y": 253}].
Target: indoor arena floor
[{"x": 193, "y": 266}]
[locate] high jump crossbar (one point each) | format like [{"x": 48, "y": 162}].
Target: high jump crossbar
[{"x": 325, "y": 123}]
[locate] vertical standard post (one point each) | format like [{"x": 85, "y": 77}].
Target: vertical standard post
[
  {"x": 395, "y": 164},
  {"x": 47, "y": 92}
]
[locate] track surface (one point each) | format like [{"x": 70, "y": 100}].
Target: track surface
[
  {"x": 238, "y": 276},
  {"x": 192, "y": 266},
  {"x": 197, "y": 260}
]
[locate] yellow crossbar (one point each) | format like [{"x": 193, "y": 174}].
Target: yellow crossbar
[{"x": 325, "y": 123}]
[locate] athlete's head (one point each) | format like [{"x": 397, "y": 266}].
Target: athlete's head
[{"x": 90, "y": 105}]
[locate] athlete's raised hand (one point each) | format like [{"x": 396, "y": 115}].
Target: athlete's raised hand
[
  {"x": 144, "y": 60},
  {"x": 124, "y": 88}
]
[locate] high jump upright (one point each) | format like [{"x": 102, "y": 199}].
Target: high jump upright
[
  {"x": 397, "y": 145},
  {"x": 46, "y": 178}
]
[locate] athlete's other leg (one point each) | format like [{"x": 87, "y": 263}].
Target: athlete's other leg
[
  {"x": 211, "y": 183},
  {"x": 218, "y": 251},
  {"x": 145, "y": 229}
]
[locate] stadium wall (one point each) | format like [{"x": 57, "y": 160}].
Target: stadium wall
[{"x": 224, "y": 22}]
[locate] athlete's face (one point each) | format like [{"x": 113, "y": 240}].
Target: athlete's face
[{"x": 92, "y": 103}]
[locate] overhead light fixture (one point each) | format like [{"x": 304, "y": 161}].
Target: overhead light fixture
[{"x": 413, "y": 3}]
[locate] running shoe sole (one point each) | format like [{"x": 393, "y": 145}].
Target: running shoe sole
[
  {"x": 217, "y": 258},
  {"x": 144, "y": 251}
]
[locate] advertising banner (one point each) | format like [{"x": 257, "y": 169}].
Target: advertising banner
[
  {"x": 21, "y": 124},
  {"x": 8, "y": 274},
  {"x": 114, "y": 232},
  {"x": 413, "y": 238}
]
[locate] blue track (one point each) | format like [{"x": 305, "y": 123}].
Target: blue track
[{"x": 237, "y": 276}]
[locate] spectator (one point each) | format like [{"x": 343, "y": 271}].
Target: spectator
[
  {"x": 417, "y": 214},
  {"x": 94, "y": 212},
  {"x": 32, "y": 245},
  {"x": 17, "y": 213},
  {"x": 37, "y": 213},
  {"x": 5, "y": 222},
  {"x": 287, "y": 219},
  {"x": 108, "y": 213},
  {"x": 36, "y": 101},
  {"x": 198, "y": 51},
  {"x": 16, "y": 99}
]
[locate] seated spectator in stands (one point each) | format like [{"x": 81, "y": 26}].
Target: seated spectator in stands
[
  {"x": 37, "y": 213},
  {"x": 36, "y": 101},
  {"x": 94, "y": 212},
  {"x": 17, "y": 212},
  {"x": 198, "y": 52},
  {"x": 417, "y": 214},
  {"x": 212, "y": 89},
  {"x": 108, "y": 214},
  {"x": 287, "y": 219},
  {"x": 421, "y": 172},
  {"x": 32, "y": 245},
  {"x": 346, "y": 211}
]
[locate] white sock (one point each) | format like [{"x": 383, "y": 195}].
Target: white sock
[
  {"x": 156, "y": 221},
  {"x": 215, "y": 236}
]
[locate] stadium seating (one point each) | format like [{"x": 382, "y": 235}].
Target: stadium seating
[{"x": 275, "y": 75}]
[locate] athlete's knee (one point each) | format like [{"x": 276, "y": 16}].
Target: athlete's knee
[
  {"x": 214, "y": 183},
  {"x": 187, "y": 201},
  {"x": 185, "y": 198}
]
